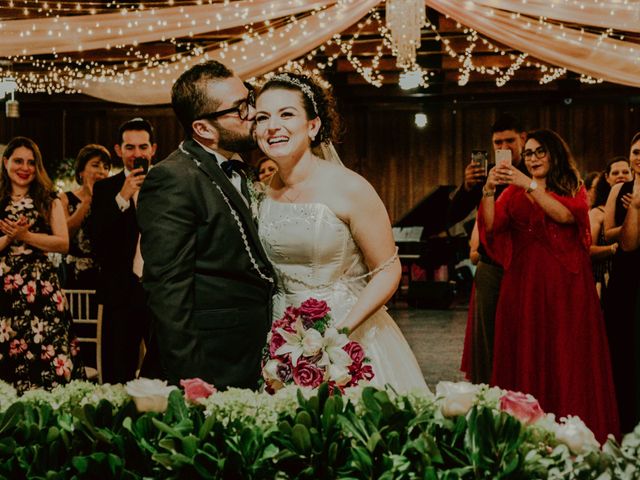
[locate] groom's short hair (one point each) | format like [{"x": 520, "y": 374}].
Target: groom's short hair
[{"x": 189, "y": 94}]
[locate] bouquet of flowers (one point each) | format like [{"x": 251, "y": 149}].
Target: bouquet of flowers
[{"x": 305, "y": 349}]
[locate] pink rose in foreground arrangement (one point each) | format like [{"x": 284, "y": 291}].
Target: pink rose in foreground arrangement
[
  {"x": 312, "y": 309},
  {"x": 196, "y": 388},
  {"x": 306, "y": 374},
  {"x": 522, "y": 406}
]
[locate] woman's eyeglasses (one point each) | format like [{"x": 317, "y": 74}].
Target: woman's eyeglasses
[
  {"x": 242, "y": 109},
  {"x": 538, "y": 152}
]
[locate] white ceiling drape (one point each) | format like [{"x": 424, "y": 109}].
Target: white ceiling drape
[
  {"x": 613, "y": 60},
  {"x": 153, "y": 85},
  {"x": 510, "y": 22},
  {"x": 88, "y": 32}
]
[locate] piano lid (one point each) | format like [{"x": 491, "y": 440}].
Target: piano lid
[{"x": 430, "y": 212}]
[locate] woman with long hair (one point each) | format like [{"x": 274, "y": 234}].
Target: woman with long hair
[
  {"x": 601, "y": 250},
  {"x": 549, "y": 337},
  {"x": 325, "y": 229},
  {"x": 36, "y": 347},
  {"x": 621, "y": 301}
]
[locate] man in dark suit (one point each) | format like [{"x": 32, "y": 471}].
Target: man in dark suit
[
  {"x": 507, "y": 134},
  {"x": 114, "y": 236},
  {"x": 209, "y": 280}
]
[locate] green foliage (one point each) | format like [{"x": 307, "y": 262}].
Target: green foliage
[{"x": 325, "y": 436}]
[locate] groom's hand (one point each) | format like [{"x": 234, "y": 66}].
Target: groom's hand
[{"x": 132, "y": 183}]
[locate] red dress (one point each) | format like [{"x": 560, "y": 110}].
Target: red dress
[{"x": 550, "y": 339}]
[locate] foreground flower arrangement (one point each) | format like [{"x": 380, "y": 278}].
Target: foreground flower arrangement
[{"x": 463, "y": 431}]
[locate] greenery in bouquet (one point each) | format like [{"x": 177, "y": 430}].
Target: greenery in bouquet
[
  {"x": 464, "y": 431},
  {"x": 304, "y": 348}
]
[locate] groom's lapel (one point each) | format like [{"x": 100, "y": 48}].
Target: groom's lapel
[{"x": 209, "y": 166}]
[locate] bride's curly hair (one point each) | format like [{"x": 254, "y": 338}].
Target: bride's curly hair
[{"x": 317, "y": 101}]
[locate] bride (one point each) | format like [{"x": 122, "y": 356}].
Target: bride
[{"x": 325, "y": 229}]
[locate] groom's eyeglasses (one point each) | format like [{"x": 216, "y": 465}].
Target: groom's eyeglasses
[{"x": 242, "y": 109}]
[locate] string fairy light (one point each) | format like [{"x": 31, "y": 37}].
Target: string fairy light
[{"x": 137, "y": 60}]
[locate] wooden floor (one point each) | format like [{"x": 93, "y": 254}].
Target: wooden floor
[{"x": 436, "y": 337}]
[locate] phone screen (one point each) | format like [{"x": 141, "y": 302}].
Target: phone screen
[
  {"x": 503, "y": 157},
  {"x": 481, "y": 157},
  {"x": 141, "y": 163}
]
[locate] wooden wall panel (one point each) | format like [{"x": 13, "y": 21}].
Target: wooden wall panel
[{"x": 380, "y": 141}]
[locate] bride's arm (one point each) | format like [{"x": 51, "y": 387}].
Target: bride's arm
[{"x": 371, "y": 229}]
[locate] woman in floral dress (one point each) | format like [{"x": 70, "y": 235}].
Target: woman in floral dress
[{"x": 36, "y": 346}]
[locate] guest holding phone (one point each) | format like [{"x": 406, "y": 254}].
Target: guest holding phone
[
  {"x": 550, "y": 338},
  {"x": 115, "y": 239}
]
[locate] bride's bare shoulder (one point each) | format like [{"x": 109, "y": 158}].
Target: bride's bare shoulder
[{"x": 343, "y": 177}]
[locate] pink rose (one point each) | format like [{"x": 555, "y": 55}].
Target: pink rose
[
  {"x": 196, "y": 388},
  {"x": 313, "y": 309},
  {"x": 355, "y": 351},
  {"x": 524, "y": 407},
  {"x": 276, "y": 342},
  {"x": 307, "y": 374}
]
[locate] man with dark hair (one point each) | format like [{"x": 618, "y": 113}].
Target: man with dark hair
[
  {"x": 507, "y": 135},
  {"x": 208, "y": 278},
  {"x": 114, "y": 236}
]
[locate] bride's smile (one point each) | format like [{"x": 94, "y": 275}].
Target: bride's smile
[{"x": 282, "y": 127}]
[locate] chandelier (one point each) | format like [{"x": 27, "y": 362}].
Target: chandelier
[{"x": 405, "y": 19}]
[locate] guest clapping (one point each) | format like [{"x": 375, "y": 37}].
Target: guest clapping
[
  {"x": 36, "y": 348},
  {"x": 92, "y": 164},
  {"x": 550, "y": 339},
  {"x": 620, "y": 301}
]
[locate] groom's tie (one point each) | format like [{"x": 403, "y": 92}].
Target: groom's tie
[{"x": 238, "y": 166}]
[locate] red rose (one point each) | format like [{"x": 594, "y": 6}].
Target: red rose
[
  {"x": 276, "y": 342},
  {"x": 307, "y": 374},
  {"x": 313, "y": 309},
  {"x": 360, "y": 372},
  {"x": 196, "y": 388},
  {"x": 355, "y": 351},
  {"x": 289, "y": 317},
  {"x": 524, "y": 407}
]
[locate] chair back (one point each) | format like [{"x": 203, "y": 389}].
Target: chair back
[{"x": 86, "y": 311}]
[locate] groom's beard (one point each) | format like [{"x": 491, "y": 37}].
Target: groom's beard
[{"x": 236, "y": 142}]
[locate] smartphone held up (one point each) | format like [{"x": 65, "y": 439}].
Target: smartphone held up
[
  {"x": 481, "y": 158},
  {"x": 503, "y": 158},
  {"x": 141, "y": 162}
]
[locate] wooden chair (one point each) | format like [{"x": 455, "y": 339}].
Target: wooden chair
[{"x": 80, "y": 305}]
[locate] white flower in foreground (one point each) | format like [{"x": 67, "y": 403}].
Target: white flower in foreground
[
  {"x": 312, "y": 342},
  {"x": 334, "y": 343},
  {"x": 149, "y": 395},
  {"x": 456, "y": 398},
  {"x": 576, "y": 435}
]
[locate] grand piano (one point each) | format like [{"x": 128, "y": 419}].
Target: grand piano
[{"x": 429, "y": 252}]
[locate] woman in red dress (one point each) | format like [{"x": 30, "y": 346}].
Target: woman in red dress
[{"x": 550, "y": 339}]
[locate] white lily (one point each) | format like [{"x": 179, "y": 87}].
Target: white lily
[
  {"x": 301, "y": 342},
  {"x": 333, "y": 347}
]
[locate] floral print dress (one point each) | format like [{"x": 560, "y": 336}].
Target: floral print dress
[{"x": 37, "y": 348}]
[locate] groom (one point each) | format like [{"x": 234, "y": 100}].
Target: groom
[{"x": 208, "y": 279}]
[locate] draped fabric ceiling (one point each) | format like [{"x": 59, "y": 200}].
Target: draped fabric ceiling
[{"x": 596, "y": 38}]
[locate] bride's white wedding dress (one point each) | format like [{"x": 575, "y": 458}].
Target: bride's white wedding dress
[{"x": 315, "y": 255}]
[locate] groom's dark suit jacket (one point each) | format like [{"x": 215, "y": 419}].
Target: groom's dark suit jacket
[{"x": 212, "y": 310}]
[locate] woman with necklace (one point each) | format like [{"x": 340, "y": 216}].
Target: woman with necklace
[
  {"x": 325, "y": 229},
  {"x": 36, "y": 346}
]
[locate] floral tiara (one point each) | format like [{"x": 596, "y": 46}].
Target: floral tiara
[{"x": 306, "y": 89}]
